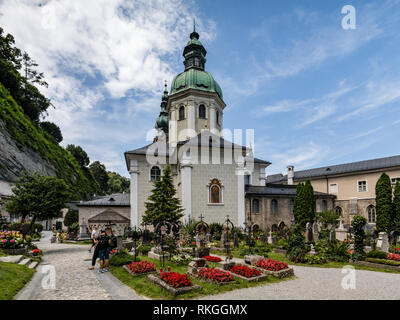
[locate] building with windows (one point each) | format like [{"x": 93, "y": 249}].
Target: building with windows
[{"x": 353, "y": 184}]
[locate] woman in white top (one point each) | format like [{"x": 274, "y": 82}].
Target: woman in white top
[{"x": 93, "y": 237}]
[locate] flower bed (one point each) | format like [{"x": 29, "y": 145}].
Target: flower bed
[
  {"x": 275, "y": 268},
  {"x": 36, "y": 252},
  {"x": 142, "y": 267},
  {"x": 175, "y": 279},
  {"x": 212, "y": 259},
  {"x": 245, "y": 271},
  {"x": 11, "y": 239},
  {"x": 215, "y": 275},
  {"x": 393, "y": 256},
  {"x": 181, "y": 259}
]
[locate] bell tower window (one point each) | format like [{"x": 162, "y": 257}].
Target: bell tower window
[
  {"x": 181, "y": 113},
  {"x": 202, "y": 111}
]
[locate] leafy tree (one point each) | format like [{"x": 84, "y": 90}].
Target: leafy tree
[
  {"x": 71, "y": 217},
  {"x": 52, "y": 129},
  {"x": 100, "y": 175},
  {"x": 8, "y": 51},
  {"x": 396, "y": 206},
  {"x": 79, "y": 154},
  {"x": 358, "y": 225},
  {"x": 163, "y": 205},
  {"x": 31, "y": 75},
  {"x": 327, "y": 218},
  {"x": 117, "y": 183},
  {"x": 41, "y": 197},
  {"x": 384, "y": 205},
  {"x": 296, "y": 248},
  {"x": 310, "y": 201}
]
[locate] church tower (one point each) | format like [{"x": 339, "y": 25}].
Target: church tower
[{"x": 195, "y": 102}]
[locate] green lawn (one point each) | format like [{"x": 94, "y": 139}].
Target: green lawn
[
  {"x": 145, "y": 288},
  {"x": 330, "y": 264},
  {"x": 13, "y": 277}
]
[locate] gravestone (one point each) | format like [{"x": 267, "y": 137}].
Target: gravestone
[
  {"x": 383, "y": 242},
  {"x": 83, "y": 234},
  {"x": 235, "y": 241},
  {"x": 264, "y": 238},
  {"x": 309, "y": 233},
  {"x": 270, "y": 240},
  {"x": 315, "y": 230},
  {"x": 341, "y": 232}
]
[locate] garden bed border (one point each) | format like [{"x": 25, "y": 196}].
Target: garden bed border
[
  {"x": 174, "y": 291},
  {"x": 125, "y": 267}
]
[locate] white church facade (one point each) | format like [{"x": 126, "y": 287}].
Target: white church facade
[{"x": 209, "y": 172}]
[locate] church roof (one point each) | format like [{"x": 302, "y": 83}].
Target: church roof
[
  {"x": 215, "y": 141},
  {"x": 271, "y": 189},
  {"x": 113, "y": 200},
  {"x": 346, "y": 168},
  {"x": 107, "y": 216}
]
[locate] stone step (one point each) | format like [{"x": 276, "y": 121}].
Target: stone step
[
  {"x": 33, "y": 265},
  {"x": 13, "y": 259},
  {"x": 25, "y": 262}
]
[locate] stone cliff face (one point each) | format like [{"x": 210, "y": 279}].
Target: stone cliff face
[{"x": 15, "y": 158}]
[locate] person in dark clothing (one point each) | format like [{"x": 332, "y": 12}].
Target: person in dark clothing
[
  {"x": 95, "y": 256},
  {"x": 103, "y": 243}
]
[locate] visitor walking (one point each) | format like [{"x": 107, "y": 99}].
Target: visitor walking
[
  {"x": 95, "y": 256},
  {"x": 103, "y": 243},
  {"x": 93, "y": 237}
]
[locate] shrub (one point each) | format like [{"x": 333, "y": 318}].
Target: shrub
[
  {"x": 358, "y": 224},
  {"x": 377, "y": 254},
  {"x": 142, "y": 267},
  {"x": 315, "y": 259},
  {"x": 144, "y": 250},
  {"x": 181, "y": 259},
  {"x": 245, "y": 271},
  {"x": 175, "y": 279},
  {"x": 215, "y": 275},
  {"x": 122, "y": 258},
  {"x": 297, "y": 248},
  {"x": 271, "y": 265},
  {"x": 283, "y": 243}
]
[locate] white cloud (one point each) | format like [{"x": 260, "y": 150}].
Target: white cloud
[{"x": 97, "y": 52}]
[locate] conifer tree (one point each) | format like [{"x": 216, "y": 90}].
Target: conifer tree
[
  {"x": 396, "y": 206},
  {"x": 310, "y": 201},
  {"x": 384, "y": 205},
  {"x": 298, "y": 206},
  {"x": 162, "y": 204}
]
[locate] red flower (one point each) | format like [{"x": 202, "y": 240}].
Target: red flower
[
  {"x": 215, "y": 274},
  {"x": 393, "y": 256},
  {"x": 142, "y": 267},
  {"x": 175, "y": 279},
  {"x": 272, "y": 265},
  {"x": 245, "y": 271},
  {"x": 212, "y": 259}
]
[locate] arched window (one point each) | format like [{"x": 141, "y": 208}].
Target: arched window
[
  {"x": 324, "y": 205},
  {"x": 181, "y": 113},
  {"x": 255, "y": 206},
  {"x": 155, "y": 173},
  {"x": 215, "y": 192},
  {"x": 274, "y": 206},
  {"x": 202, "y": 111},
  {"x": 339, "y": 211},
  {"x": 371, "y": 214}
]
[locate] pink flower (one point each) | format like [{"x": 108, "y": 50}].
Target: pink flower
[{"x": 5, "y": 241}]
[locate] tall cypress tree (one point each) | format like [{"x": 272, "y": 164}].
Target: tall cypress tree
[
  {"x": 298, "y": 206},
  {"x": 396, "y": 206},
  {"x": 162, "y": 204},
  {"x": 310, "y": 201},
  {"x": 384, "y": 205}
]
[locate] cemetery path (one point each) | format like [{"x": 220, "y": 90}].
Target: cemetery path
[
  {"x": 313, "y": 283},
  {"x": 73, "y": 280}
]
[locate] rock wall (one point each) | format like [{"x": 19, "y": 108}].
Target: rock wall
[{"x": 16, "y": 158}]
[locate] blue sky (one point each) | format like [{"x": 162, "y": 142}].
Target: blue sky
[{"x": 315, "y": 94}]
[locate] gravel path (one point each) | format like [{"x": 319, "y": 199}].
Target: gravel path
[
  {"x": 73, "y": 279},
  {"x": 314, "y": 283}
]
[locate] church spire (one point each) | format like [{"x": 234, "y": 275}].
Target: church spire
[
  {"x": 194, "y": 52},
  {"x": 162, "y": 120}
]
